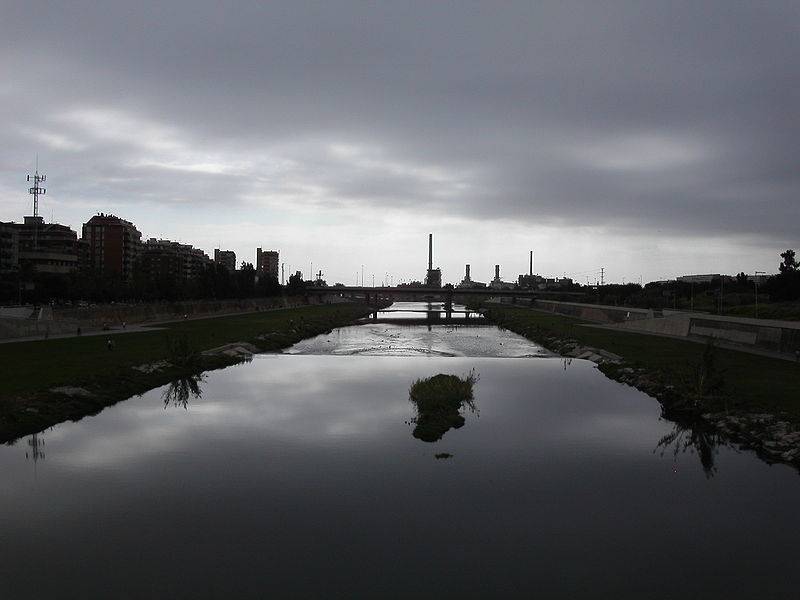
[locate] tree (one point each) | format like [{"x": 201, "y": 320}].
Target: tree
[
  {"x": 785, "y": 285},
  {"x": 789, "y": 262},
  {"x": 296, "y": 283},
  {"x": 268, "y": 285},
  {"x": 741, "y": 278},
  {"x": 246, "y": 278}
]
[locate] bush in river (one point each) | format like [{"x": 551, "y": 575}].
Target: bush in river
[{"x": 438, "y": 400}]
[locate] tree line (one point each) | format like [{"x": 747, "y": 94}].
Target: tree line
[{"x": 213, "y": 282}]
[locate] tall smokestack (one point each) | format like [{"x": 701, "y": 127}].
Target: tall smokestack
[
  {"x": 467, "y": 277},
  {"x": 531, "y": 271},
  {"x": 497, "y": 272},
  {"x": 430, "y": 252}
]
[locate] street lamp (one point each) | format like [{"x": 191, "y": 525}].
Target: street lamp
[{"x": 755, "y": 280}]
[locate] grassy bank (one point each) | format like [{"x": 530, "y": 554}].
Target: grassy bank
[
  {"x": 786, "y": 311},
  {"x": 30, "y": 370},
  {"x": 751, "y": 383}
]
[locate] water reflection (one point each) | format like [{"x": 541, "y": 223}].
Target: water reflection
[
  {"x": 179, "y": 392},
  {"x": 694, "y": 435},
  {"x": 36, "y": 452},
  {"x": 558, "y": 473}
]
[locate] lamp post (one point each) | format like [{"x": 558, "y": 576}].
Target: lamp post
[{"x": 755, "y": 281}]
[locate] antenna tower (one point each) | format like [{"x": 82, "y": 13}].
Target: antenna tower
[{"x": 36, "y": 190}]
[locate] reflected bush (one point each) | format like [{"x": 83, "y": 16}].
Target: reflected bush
[
  {"x": 180, "y": 391},
  {"x": 694, "y": 435}
]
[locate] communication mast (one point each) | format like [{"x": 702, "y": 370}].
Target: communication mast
[{"x": 36, "y": 191}]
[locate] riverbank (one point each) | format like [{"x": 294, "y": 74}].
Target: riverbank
[
  {"x": 47, "y": 322},
  {"x": 756, "y": 403},
  {"x": 49, "y": 381}
]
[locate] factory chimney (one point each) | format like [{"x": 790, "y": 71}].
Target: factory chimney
[
  {"x": 497, "y": 272},
  {"x": 531, "y": 271},
  {"x": 430, "y": 252},
  {"x": 467, "y": 276}
]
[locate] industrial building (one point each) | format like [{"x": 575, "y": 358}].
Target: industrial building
[
  {"x": 499, "y": 284},
  {"x": 707, "y": 278},
  {"x": 468, "y": 283},
  {"x": 433, "y": 279}
]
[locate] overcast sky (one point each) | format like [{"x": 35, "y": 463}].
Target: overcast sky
[{"x": 649, "y": 138}]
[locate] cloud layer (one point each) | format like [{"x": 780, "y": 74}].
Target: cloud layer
[{"x": 649, "y": 139}]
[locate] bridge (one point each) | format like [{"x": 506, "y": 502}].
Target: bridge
[{"x": 373, "y": 295}]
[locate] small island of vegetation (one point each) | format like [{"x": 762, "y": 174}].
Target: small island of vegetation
[{"x": 439, "y": 400}]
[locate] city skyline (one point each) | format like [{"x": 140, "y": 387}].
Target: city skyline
[{"x": 545, "y": 130}]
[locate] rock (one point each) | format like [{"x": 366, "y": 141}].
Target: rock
[
  {"x": 236, "y": 349},
  {"x": 152, "y": 367},
  {"x": 72, "y": 391},
  {"x": 608, "y": 356}
]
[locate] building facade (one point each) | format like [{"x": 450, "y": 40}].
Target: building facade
[
  {"x": 9, "y": 247},
  {"x": 113, "y": 245},
  {"x": 267, "y": 262},
  {"x": 46, "y": 247},
  {"x": 226, "y": 258},
  {"x": 161, "y": 260}
]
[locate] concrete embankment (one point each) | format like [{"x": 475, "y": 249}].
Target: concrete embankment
[
  {"x": 779, "y": 337},
  {"x": 597, "y": 313}
]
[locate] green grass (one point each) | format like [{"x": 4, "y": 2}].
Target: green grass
[
  {"x": 786, "y": 311},
  {"x": 31, "y": 369},
  {"x": 752, "y": 383},
  {"x": 442, "y": 392},
  {"x": 32, "y": 366},
  {"x": 438, "y": 400}
]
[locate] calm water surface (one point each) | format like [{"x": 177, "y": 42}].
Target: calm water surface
[{"x": 297, "y": 475}]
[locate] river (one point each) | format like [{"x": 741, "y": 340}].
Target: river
[{"x": 298, "y": 475}]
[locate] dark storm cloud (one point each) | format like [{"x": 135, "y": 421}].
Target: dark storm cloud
[{"x": 679, "y": 117}]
